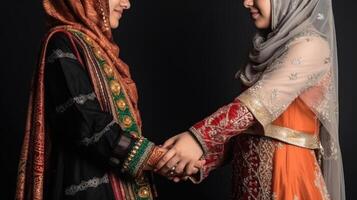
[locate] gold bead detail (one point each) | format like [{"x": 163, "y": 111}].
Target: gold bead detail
[
  {"x": 88, "y": 40},
  {"x": 108, "y": 70},
  {"x": 121, "y": 104},
  {"x": 98, "y": 54},
  {"x": 127, "y": 121},
  {"x": 115, "y": 87},
  {"x": 144, "y": 192}
]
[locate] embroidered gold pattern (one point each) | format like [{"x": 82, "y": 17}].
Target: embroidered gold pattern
[
  {"x": 108, "y": 70},
  {"x": 121, "y": 104},
  {"x": 320, "y": 182},
  {"x": 144, "y": 192},
  {"x": 253, "y": 167},
  {"x": 127, "y": 121},
  {"x": 115, "y": 87}
]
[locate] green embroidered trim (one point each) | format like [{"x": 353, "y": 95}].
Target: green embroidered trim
[
  {"x": 137, "y": 157},
  {"x": 140, "y": 187},
  {"x": 136, "y": 163},
  {"x": 125, "y": 116}
]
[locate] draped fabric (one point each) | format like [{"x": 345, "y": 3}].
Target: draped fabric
[
  {"x": 87, "y": 22},
  {"x": 298, "y": 59},
  {"x": 92, "y": 18}
]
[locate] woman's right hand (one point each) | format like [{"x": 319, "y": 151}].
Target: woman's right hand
[{"x": 155, "y": 157}]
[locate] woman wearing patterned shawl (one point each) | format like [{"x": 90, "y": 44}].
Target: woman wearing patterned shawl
[
  {"x": 283, "y": 128},
  {"x": 83, "y": 135}
]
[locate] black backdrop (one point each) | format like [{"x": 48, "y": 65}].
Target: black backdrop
[{"x": 183, "y": 55}]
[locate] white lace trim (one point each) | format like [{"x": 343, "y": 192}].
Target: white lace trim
[
  {"x": 81, "y": 99},
  {"x": 84, "y": 185},
  {"x": 58, "y": 53},
  {"x": 90, "y": 140}
]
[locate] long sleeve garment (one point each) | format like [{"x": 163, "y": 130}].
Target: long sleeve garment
[
  {"x": 271, "y": 129},
  {"x": 85, "y": 141}
]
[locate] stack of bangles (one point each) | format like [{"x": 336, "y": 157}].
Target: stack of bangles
[{"x": 138, "y": 157}]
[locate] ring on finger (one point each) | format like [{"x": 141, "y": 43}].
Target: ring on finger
[{"x": 172, "y": 171}]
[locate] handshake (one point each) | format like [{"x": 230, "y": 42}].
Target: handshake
[{"x": 178, "y": 158}]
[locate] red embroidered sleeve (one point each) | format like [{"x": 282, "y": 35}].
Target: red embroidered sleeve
[{"x": 214, "y": 132}]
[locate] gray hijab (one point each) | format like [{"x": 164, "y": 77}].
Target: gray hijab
[{"x": 289, "y": 18}]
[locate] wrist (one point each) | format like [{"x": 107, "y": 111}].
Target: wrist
[
  {"x": 199, "y": 139},
  {"x": 136, "y": 160}
]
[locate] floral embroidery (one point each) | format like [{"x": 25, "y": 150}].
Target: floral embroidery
[
  {"x": 274, "y": 196},
  {"x": 296, "y": 61},
  {"x": 122, "y": 108},
  {"x": 274, "y": 97},
  {"x": 214, "y": 131},
  {"x": 293, "y": 76},
  {"x": 84, "y": 185},
  {"x": 320, "y": 16},
  {"x": 58, "y": 53},
  {"x": 80, "y": 99},
  {"x": 95, "y": 138},
  {"x": 320, "y": 183},
  {"x": 253, "y": 168},
  {"x": 327, "y": 60}
]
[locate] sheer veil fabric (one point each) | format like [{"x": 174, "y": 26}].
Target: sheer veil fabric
[{"x": 288, "y": 55}]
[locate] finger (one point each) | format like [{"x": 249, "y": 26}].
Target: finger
[
  {"x": 194, "y": 167},
  {"x": 169, "y": 164},
  {"x": 181, "y": 166},
  {"x": 172, "y": 162},
  {"x": 190, "y": 169},
  {"x": 169, "y": 154},
  {"x": 169, "y": 142},
  {"x": 195, "y": 170},
  {"x": 176, "y": 179},
  {"x": 184, "y": 178},
  {"x": 199, "y": 164}
]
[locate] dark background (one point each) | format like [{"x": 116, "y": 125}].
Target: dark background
[{"x": 183, "y": 55}]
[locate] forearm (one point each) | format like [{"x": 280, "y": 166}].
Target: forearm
[
  {"x": 218, "y": 128},
  {"x": 214, "y": 132}
]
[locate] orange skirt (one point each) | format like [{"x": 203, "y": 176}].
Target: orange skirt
[{"x": 265, "y": 168}]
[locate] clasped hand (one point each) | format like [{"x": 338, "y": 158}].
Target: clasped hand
[{"x": 181, "y": 159}]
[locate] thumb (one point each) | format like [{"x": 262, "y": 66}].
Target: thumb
[{"x": 199, "y": 164}]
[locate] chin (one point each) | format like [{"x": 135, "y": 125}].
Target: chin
[
  {"x": 114, "y": 24},
  {"x": 261, "y": 24}
]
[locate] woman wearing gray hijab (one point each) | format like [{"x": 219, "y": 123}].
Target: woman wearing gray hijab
[{"x": 283, "y": 128}]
